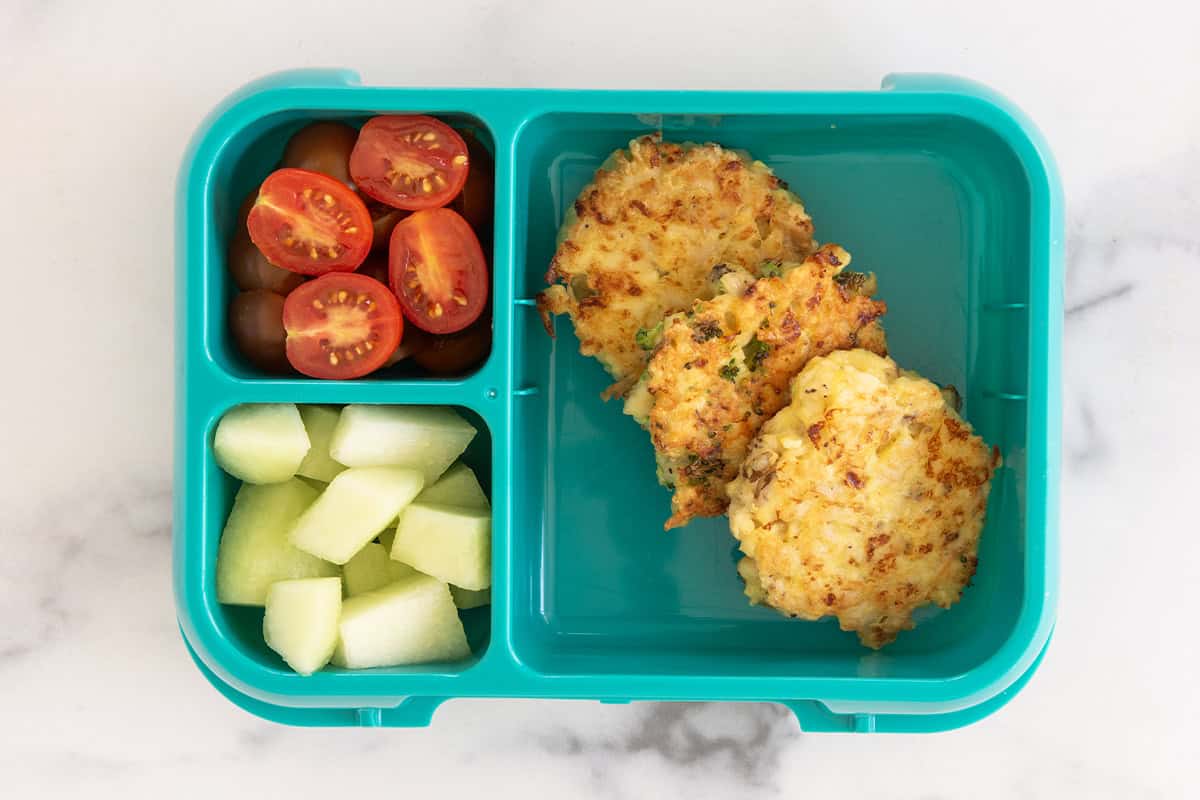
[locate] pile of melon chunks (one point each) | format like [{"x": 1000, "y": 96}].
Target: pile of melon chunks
[{"x": 357, "y": 529}]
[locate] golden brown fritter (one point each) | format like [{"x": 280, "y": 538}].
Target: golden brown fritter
[
  {"x": 645, "y": 234},
  {"x": 724, "y": 368},
  {"x": 864, "y": 498}
]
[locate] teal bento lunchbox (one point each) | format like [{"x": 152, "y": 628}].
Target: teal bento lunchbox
[{"x": 936, "y": 184}]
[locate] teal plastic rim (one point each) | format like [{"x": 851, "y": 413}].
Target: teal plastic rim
[{"x": 206, "y": 385}]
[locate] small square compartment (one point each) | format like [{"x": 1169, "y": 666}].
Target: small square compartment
[
  {"x": 245, "y": 160},
  {"x": 938, "y": 207},
  {"x": 237, "y": 630}
]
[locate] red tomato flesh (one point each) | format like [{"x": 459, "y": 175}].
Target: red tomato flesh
[
  {"x": 309, "y": 223},
  {"x": 341, "y": 325},
  {"x": 410, "y": 162},
  {"x": 438, "y": 270}
]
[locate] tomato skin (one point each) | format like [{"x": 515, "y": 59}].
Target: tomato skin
[
  {"x": 415, "y": 340},
  {"x": 250, "y": 269},
  {"x": 256, "y": 325},
  {"x": 309, "y": 223},
  {"x": 411, "y": 162},
  {"x": 247, "y": 265},
  {"x": 323, "y": 147},
  {"x": 438, "y": 270},
  {"x": 477, "y": 199},
  {"x": 375, "y": 266},
  {"x": 456, "y": 353},
  {"x": 383, "y": 220},
  {"x": 341, "y": 325}
]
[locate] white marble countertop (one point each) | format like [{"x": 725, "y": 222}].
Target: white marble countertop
[{"x": 97, "y": 695}]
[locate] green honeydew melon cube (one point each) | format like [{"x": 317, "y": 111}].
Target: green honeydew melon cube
[
  {"x": 255, "y": 552},
  {"x": 411, "y": 621},
  {"x": 425, "y": 438},
  {"x": 452, "y": 544},
  {"x": 319, "y": 422},
  {"x": 372, "y": 568},
  {"x": 353, "y": 509},
  {"x": 261, "y": 442},
  {"x": 301, "y": 621}
]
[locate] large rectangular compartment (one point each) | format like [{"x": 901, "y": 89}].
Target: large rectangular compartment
[{"x": 935, "y": 184}]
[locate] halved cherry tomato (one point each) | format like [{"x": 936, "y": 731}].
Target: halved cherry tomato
[
  {"x": 438, "y": 270},
  {"x": 309, "y": 223},
  {"x": 455, "y": 353},
  {"x": 410, "y": 162},
  {"x": 376, "y": 266},
  {"x": 341, "y": 325},
  {"x": 249, "y": 267}
]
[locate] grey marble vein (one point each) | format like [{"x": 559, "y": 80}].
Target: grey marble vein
[
  {"x": 747, "y": 740},
  {"x": 1098, "y": 300}
]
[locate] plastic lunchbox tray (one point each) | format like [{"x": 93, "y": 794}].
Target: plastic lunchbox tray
[{"x": 941, "y": 187}]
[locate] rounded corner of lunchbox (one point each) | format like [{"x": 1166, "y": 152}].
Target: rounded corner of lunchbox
[
  {"x": 992, "y": 109},
  {"x": 245, "y": 104}
]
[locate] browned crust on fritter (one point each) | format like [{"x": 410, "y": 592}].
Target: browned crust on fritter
[
  {"x": 725, "y": 367},
  {"x": 648, "y": 230},
  {"x": 863, "y": 499}
]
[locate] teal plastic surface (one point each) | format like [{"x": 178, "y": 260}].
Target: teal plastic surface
[{"x": 936, "y": 184}]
